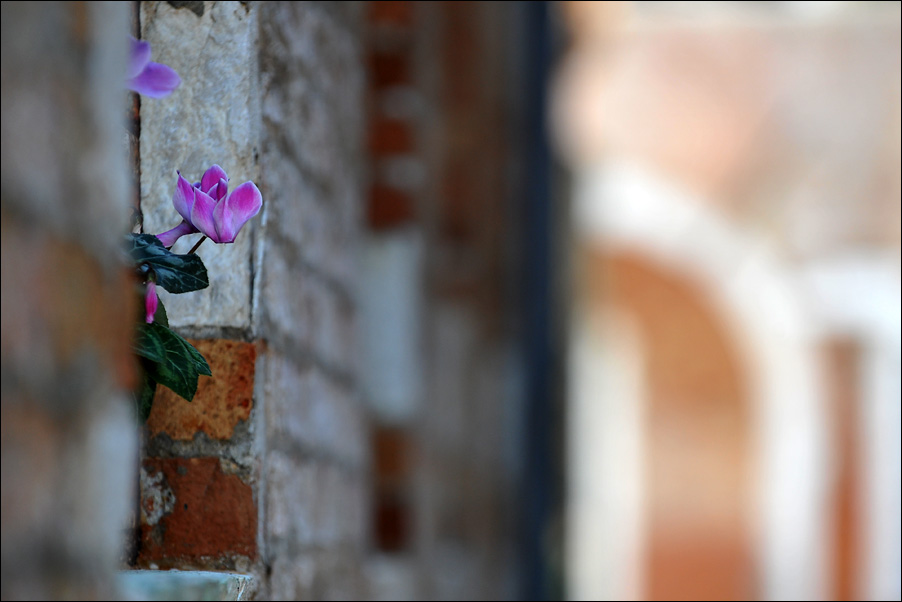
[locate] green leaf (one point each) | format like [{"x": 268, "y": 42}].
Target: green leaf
[
  {"x": 145, "y": 397},
  {"x": 149, "y": 346},
  {"x": 161, "y": 317},
  {"x": 180, "y": 365},
  {"x": 175, "y": 273},
  {"x": 199, "y": 361}
]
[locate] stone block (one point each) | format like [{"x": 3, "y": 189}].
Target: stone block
[
  {"x": 212, "y": 118},
  {"x": 309, "y": 410},
  {"x": 293, "y": 577},
  {"x": 303, "y": 311},
  {"x": 313, "y": 124},
  {"x": 290, "y": 498}
]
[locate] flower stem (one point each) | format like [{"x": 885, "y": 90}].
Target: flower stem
[{"x": 194, "y": 248}]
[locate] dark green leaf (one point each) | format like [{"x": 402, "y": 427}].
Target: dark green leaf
[
  {"x": 161, "y": 317},
  {"x": 175, "y": 273},
  {"x": 199, "y": 361},
  {"x": 180, "y": 367},
  {"x": 145, "y": 397},
  {"x": 148, "y": 345}
]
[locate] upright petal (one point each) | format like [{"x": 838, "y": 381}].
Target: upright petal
[
  {"x": 221, "y": 190},
  {"x": 232, "y": 213},
  {"x": 139, "y": 57},
  {"x": 150, "y": 301},
  {"x": 156, "y": 81},
  {"x": 211, "y": 178},
  {"x": 202, "y": 215},
  {"x": 169, "y": 237},
  {"x": 183, "y": 197}
]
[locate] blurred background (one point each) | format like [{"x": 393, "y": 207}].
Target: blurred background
[
  {"x": 585, "y": 300},
  {"x": 733, "y": 424}
]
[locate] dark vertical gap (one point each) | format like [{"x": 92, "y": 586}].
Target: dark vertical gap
[
  {"x": 542, "y": 474},
  {"x": 133, "y": 124},
  {"x": 133, "y": 132}
]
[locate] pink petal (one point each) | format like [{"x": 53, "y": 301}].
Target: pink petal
[
  {"x": 219, "y": 190},
  {"x": 222, "y": 190},
  {"x": 139, "y": 57},
  {"x": 235, "y": 210},
  {"x": 183, "y": 197},
  {"x": 211, "y": 178},
  {"x": 156, "y": 81},
  {"x": 202, "y": 214},
  {"x": 169, "y": 237},
  {"x": 151, "y": 301}
]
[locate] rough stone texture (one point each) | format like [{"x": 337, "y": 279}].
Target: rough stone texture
[
  {"x": 312, "y": 412},
  {"x": 312, "y": 77},
  {"x": 212, "y": 118},
  {"x": 314, "y": 493},
  {"x": 212, "y": 522},
  {"x": 221, "y": 401},
  {"x": 303, "y": 311},
  {"x": 267, "y": 472},
  {"x": 68, "y": 439},
  {"x": 290, "y": 430}
]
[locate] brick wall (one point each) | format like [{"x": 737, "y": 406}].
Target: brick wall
[
  {"x": 315, "y": 464},
  {"x": 68, "y": 439},
  {"x": 444, "y": 222},
  {"x": 359, "y": 122},
  {"x": 265, "y": 470}
]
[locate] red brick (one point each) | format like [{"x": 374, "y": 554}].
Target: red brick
[
  {"x": 64, "y": 303},
  {"x": 213, "y": 518},
  {"x": 389, "y": 69},
  {"x": 221, "y": 401},
  {"x": 393, "y": 518},
  {"x": 391, "y": 453},
  {"x": 390, "y": 136},
  {"x": 395, "y": 12},
  {"x": 389, "y": 207}
]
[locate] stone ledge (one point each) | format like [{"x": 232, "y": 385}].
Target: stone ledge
[{"x": 183, "y": 585}]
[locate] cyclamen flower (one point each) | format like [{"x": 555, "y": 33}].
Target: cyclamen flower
[
  {"x": 209, "y": 208},
  {"x": 151, "y": 301},
  {"x": 150, "y": 79}
]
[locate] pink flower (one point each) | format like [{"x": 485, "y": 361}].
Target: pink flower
[
  {"x": 150, "y": 79},
  {"x": 209, "y": 208},
  {"x": 151, "y": 301}
]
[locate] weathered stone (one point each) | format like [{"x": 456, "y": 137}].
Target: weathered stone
[
  {"x": 212, "y": 118},
  {"x": 221, "y": 401},
  {"x": 313, "y": 127},
  {"x": 157, "y": 499},
  {"x": 307, "y": 409},
  {"x": 292, "y": 577},
  {"x": 195, "y": 6},
  {"x": 292, "y": 486},
  {"x": 303, "y": 312}
]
